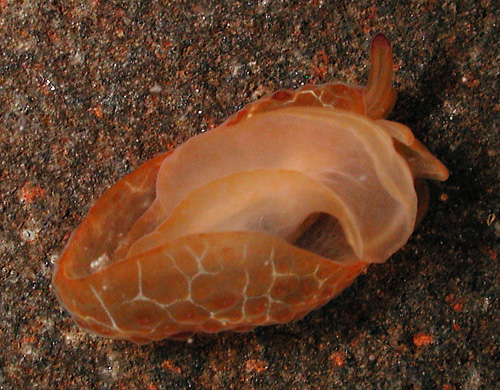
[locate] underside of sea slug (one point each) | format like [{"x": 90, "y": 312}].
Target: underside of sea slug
[{"x": 257, "y": 222}]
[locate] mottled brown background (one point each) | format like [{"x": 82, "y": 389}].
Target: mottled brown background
[{"x": 91, "y": 89}]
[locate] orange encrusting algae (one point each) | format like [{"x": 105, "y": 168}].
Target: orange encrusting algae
[{"x": 256, "y": 222}]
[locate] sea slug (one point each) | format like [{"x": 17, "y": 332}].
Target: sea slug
[{"x": 257, "y": 222}]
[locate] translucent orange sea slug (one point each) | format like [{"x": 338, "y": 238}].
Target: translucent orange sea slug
[{"x": 256, "y": 222}]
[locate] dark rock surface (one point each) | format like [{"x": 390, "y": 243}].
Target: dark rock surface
[{"x": 91, "y": 89}]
